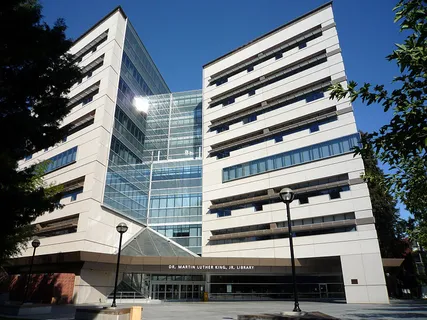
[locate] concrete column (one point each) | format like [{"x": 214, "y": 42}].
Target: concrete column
[
  {"x": 93, "y": 286},
  {"x": 208, "y": 283},
  {"x": 364, "y": 279}
]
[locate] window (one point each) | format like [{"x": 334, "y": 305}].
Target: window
[
  {"x": 127, "y": 127},
  {"x": 61, "y": 160},
  {"x": 223, "y": 154},
  {"x": 221, "y": 81},
  {"x": 335, "y": 194},
  {"x": 28, "y": 157},
  {"x": 81, "y": 123},
  {"x": 57, "y": 227},
  {"x": 299, "y": 156},
  {"x": 303, "y": 199},
  {"x": 278, "y": 139},
  {"x": 250, "y": 68},
  {"x": 281, "y": 224},
  {"x": 121, "y": 155},
  {"x": 223, "y": 213},
  {"x": 72, "y": 194},
  {"x": 314, "y": 127},
  {"x": 86, "y": 100},
  {"x": 314, "y": 96},
  {"x": 302, "y": 45},
  {"x": 250, "y": 118},
  {"x": 251, "y": 93},
  {"x": 269, "y": 53},
  {"x": 278, "y": 55},
  {"x": 229, "y": 101},
  {"x": 135, "y": 74},
  {"x": 222, "y": 128}
]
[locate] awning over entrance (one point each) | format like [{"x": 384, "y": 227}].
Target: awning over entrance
[
  {"x": 71, "y": 261},
  {"x": 75, "y": 261}
]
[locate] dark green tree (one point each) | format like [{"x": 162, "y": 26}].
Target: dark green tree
[
  {"x": 390, "y": 227},
  {"x": 36, "y": 73},
  {"x": 402, "y": 144}
]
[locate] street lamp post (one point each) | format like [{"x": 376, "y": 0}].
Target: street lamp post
[
  {"x": 121, "y": 228},
  {"x": 35, "y": 243},
  {"x": 287, "y": 196}
]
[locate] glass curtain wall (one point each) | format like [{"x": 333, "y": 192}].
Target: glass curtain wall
[
  {"x": 156, "y": 148},
  {"x": 176, "y": 179},
  {"x": 175, "y": 126},
  {"x": 176, "y": 202},
  {"x": 156, "y": 153},
  {"x": 185, "y": 138},
  {"x": 128, "y": 174}
]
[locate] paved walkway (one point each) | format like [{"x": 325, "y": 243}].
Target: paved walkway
[
  {"x": 229, "y": 310},
  {"x": 397, "y": 310}
]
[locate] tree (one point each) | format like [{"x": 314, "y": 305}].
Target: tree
[
  {"x": 36, "y": 74},
  {"x": 402, "y": 144},
  {"x": 390, "y": 227}
]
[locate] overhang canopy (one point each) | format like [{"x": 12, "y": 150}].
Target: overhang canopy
[{"x": 73, "y": 262}]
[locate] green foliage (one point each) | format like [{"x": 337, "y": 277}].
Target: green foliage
[
  {"x": 390, "y": 228},
  {"x": 402, "y": 143},
  {"x": 35, "y": 76}
]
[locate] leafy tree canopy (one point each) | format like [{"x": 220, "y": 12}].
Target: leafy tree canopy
[
  {"x": 36, "y": 73},
  {"x": 390, "y": 227},
  {"x": 402, "y": 143}
]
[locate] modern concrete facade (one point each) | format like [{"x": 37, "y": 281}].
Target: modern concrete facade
[
  {"x": 269, "y": 124},
  {"x": 198, "y": 173},
  {"x": 102, "y": 163},
  {"x": 83, "y": 173}
]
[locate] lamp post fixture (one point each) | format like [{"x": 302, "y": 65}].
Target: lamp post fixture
[
  {"x": 121, "y": 228},
  {"x": 287, "y": 196},
  {"x": 35, "y": 243}
]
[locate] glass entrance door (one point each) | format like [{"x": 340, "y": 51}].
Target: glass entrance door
[
  {"x": 176, "y": 291},
  {"x": 323, "y": 289}
]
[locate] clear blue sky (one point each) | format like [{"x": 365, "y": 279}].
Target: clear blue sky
[{"x": 183, "y": 35}]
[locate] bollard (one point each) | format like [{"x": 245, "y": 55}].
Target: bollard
[{"x": 136, "y": 313}]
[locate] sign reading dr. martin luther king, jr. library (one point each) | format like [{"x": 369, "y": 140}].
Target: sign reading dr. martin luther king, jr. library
[{"x": 209, "y": 267}]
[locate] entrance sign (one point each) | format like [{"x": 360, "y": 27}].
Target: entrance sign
[{"x": 209, "y": 267}]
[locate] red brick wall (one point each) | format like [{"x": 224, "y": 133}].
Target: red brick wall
[{"x": 43, "y": 287}]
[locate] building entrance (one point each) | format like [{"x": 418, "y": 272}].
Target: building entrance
[
  {"x": 176, "y": 291},
  {"x": 177, "y": 287}
]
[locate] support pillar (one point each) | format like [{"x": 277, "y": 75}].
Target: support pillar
[{"x": 364, "y": 280}]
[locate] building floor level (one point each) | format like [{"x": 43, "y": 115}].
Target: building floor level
[{"x": 86, "y": 277}]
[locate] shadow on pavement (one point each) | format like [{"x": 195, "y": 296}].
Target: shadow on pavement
[{"x": 374, "y": 315}]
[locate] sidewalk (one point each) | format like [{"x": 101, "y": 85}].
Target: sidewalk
[{"x": 397, "y": 309}]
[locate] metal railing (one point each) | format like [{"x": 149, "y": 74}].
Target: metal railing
[
  {"x": 128, "y": 295},
  {"x": 276, "y": 296}
]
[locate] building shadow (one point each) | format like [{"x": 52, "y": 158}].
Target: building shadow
[
  {"x": 45, "y": 288},
  {"x": 376, "y": 315}
]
